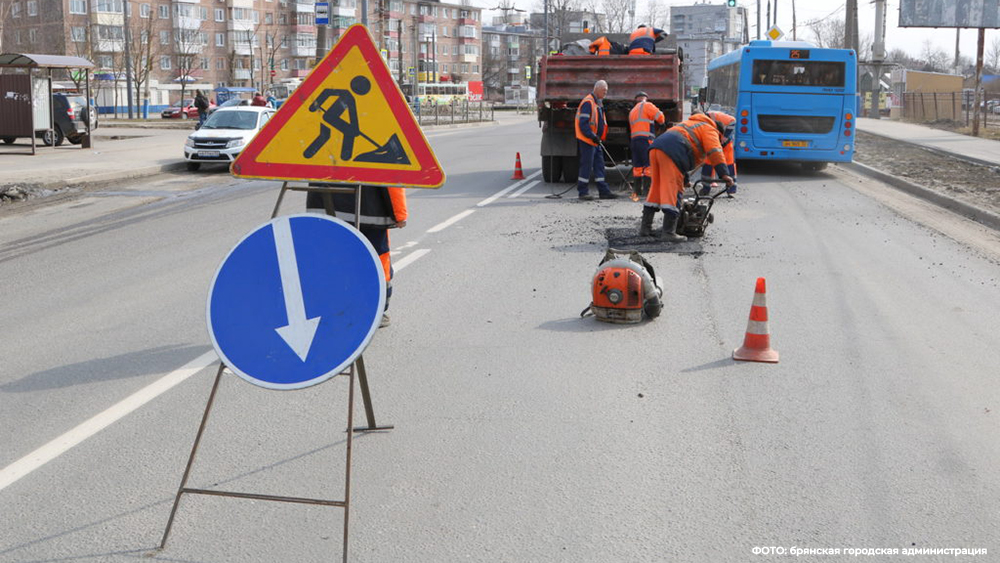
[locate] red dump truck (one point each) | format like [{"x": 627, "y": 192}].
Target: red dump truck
[{"x": 565, "y": 80}]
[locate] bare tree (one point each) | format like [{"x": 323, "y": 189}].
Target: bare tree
[
  {"x": 656, "y": 15},
  {"x": 269, "y": 48},
  {"x": 5, "y": 8},
  {"x": 934, "y": 59},
  {"x": 145, "y": 51},
  {"x": 561, "y": 14},
  {"x": 187, "y": 47},
  {"x": 992, "y": 60},
  {"x": 618, "y": 13},
  {"x": 829, "y": 33}
]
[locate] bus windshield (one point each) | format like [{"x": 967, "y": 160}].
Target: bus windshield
[{"x": 798, "y": 73}]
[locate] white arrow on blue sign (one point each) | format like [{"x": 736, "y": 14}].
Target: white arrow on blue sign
[{"x": 296, "y": 301}]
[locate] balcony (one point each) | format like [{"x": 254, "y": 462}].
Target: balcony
[
  {"x": 239, "y": 4},
  {"x": 465, "y": 40},
  {"x": 469, "y": 58},
  {"x": 184, "y": 22},
  {"x": 109, "y": 46},
  {"x": 300, "y": 51},
  {"x": 241, "y": 49},
  {"x": 307, "y": 29},
  {"x": 426, "y": 18},
  {"x": 241, "y": 74},
  {"x": 467, "y": 21},
  {"x": 301, "y": 8},
  {"x": 299, "y": 73},
  {"x": 344, "y": 11}
]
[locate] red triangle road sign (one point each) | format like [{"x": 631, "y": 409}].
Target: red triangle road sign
[{"x": 347, "y": 123}]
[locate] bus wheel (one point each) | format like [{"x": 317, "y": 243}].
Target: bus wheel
[
  {"x": 552, "y": 168},
  {"x": 814, "y": 166},
  {"x": 570, "y": 169}
]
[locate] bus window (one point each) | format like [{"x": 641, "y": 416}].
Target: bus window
[{"x": 799, "y": 73}]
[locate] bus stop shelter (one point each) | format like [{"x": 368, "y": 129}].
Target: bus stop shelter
[{"x": 26, "y": 94}]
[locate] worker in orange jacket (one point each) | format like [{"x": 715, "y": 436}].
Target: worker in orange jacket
[
  {"x": 591, "y": 130},
  {"x": 681, "y": 149},
  {"x": 382, "y": 208},
  {"x": 707, "y": 172},
  {"x": 642, "y": 118},
  {"x": 644, "y": 39},
  {"x": 600, "y": 47}
]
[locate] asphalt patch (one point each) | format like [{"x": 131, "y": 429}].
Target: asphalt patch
[{"x": 628, "y": 239}]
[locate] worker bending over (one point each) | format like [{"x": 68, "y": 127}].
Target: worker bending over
[
  {"x": 707, "y": 172},
  {"x": 644, "y": 39},
  {"x": 681, "y": 149}
]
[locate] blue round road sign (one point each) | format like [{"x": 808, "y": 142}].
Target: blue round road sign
[{"x": 296, "y": 301}]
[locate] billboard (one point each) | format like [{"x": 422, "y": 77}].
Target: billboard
[{"x": 949, "y": 13}]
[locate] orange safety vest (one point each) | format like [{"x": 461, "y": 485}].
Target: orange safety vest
[
  {"x": 642, "y": 117},
  {"x": 601, "y": 47},
  {"x": 703, "y": 139},
  {"x": 595, "y": 116},
  {"x": 642, "y": 32}
]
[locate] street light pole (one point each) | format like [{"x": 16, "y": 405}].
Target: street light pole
[{"x": 128, "y": 59}]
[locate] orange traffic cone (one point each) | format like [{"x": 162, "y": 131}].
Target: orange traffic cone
[
  {"x": 518, "y": 174},
  {"x": 757, "y": 343}
]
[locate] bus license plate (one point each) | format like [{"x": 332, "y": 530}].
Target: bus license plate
[
  {"x": 208, "y": 154},
  {"x": 802, "y": 144}
]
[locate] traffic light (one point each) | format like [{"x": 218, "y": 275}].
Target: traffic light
[{"x": 731, "y": 3}]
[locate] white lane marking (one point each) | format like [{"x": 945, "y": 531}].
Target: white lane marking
[
  {"x": 10, "y": 474},
  {"x": 504, "y": 191},
  {"x": 449, "y": 222},
  {"x": 524, "y": 189},
  {"x": 409, "y": 259},
  {"x": 300, "y": 331}
]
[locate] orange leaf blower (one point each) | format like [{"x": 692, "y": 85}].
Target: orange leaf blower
[{"x": 624, "y": 289}]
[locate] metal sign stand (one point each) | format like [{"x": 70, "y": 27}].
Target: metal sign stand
[{"x": 356, "y": 368}]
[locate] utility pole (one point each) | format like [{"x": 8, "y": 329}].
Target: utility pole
[
  {"x": 321, "y": 41},
  {"x": 758, "y": 19},
  {"x": 958, "y": 35},
  {"x": 851, "y": 25},
  {"x": 795, "y": 36},
  {"x": 769, "y": 14},
  {"x": 979, "y": 80},
  {"x": 878, "y": 57}
]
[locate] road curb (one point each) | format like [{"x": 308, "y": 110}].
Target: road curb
[
  {"x": 935, "y": 150},
  {"x": 981, "y": 216}
]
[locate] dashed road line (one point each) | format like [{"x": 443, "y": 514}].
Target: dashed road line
[
  {"x": 506, "y": 190},
  {"x": 450, "y": 221},
  {"x": 525, "y": 188},
  {"x": 410, "y": 258}
]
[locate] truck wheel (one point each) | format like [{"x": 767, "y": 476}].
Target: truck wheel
[
  {"x": 551, "y": 168},
  {"x": 9, "y": 140},
  {"x": 570, "y": 169}
]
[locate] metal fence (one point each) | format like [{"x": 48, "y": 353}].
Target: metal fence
[
  {"x": 951, "y": 106},
  {"x": 447, "y": 114}
]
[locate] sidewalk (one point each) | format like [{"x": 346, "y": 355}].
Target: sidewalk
[{"x": 984, "y": 151}]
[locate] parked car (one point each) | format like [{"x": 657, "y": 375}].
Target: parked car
[
  {"x": 70, "y": 114},
  {"x": 230, "y": 103},
  {"x": 184, "y": 110},
  {"x": 224, "y": 134}
]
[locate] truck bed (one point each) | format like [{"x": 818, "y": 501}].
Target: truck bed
[{"x": 569, "y": 79}]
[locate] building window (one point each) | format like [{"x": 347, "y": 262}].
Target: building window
[
  {"x": 109, "y": 7},
  {"x": 110, "y": 33},
  {"x": 256, "y": 16},
  {"x": 105, "y": 61},
  {"x": 164, "y": 38},
  {"x": 269, "y": 18},
  {"x": 282, "y": 19},
  {"x": 475, "y": 69},
  {"x": 454, "y": 14},
  {"x": 203, "y": 13},
  {"x": 144, "y": 37},
  {"x": 164, "y": 62},
  {"x": 220, "y": 15},
  {"x": 300, "y": 64},
  {"x": 78, "y": 34},
  {"x": 468, "y": 31},
  {"x": 284, "y": 43},
  {"x": 32, "y": 7},
  {"x": 145, "y": 10},
  {"x": 204, "y": 63},
  {"x": 220, "y": 39},
  {"x": 15, "y": 10},
  {"x": 17, "y": 36},
  {"x": 465, "y": 67},
  {"x": 32, "y": 35},
  {"x": 444, "y": 30},
  {"x": 164, "y": 12},
  {"x": 454, "y": 50},
  {"x": 220, "y": 63},
  {"x": 413, "y": 9},
  {"x": 284, "y": 64},
  {"x": 78, "y": 6}
]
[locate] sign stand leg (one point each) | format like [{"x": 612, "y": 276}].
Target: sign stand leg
[
  {"x": 194, "y": 452},
  {"x": 345, "y": 504},
  {"x": 366, "y": 397},
  {"x": 281, "y": 195}
]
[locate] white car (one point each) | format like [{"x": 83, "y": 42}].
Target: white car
[{"x": 224, "y": 135}]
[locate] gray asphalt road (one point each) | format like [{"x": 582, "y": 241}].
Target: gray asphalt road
[{"x": 523, "y": 433}]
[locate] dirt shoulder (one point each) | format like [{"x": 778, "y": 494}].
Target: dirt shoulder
[{"x": 972, "y": 183}]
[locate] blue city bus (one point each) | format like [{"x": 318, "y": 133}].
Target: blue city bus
[{"x": 792, "y": 101}]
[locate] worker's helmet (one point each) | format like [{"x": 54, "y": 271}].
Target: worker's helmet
[
  {"x": 725, "y": 123},
  {"x": 641, "y": 94}
]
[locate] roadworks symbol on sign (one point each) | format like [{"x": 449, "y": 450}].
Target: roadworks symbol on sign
[{"x": 347, "y": 123}]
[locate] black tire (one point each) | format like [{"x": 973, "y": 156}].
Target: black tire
[
  {"x": 9, "y": 140},
  {"x": 552, "y": 168},
  {"x": 47, "y": 137},
  {"x": 682, "y": 223},
  {"x": 711, "y": 218},
  {"x": 193, "y": 166},
  {"x": 75, "y": 140},
  {"x": 570, "y": 169}
]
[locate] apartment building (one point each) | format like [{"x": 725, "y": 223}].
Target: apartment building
[
  {"x": 706, "y": 31},
  {"x": 206, "y": 44},
  {"x": 510, "y": 58}
]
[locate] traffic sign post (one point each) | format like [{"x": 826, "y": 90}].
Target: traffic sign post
[
  {"x": 318, "y": 292},
  {"x": 322, "y": 13}
]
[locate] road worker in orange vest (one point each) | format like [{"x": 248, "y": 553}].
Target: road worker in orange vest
[
  {"x": 591, "y": 130},
  {"x": 600, "y": 47},
  {"x": 641, "y": 119},
  {"x": 728, "y": 124},
  {"x": 644, "y": 39},
  {"x": 673, "y": 155}
]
